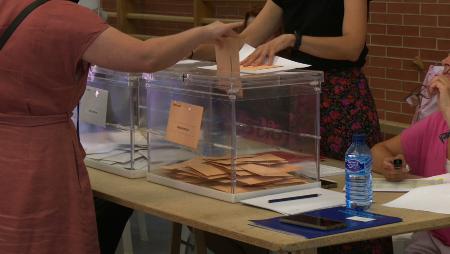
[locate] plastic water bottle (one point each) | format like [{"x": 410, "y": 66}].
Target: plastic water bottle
[{"x": 358, "y": 177}]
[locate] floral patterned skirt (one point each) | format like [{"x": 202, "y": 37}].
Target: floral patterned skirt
[
  {"x": 373, "y": 246},
  {"x": 347, "y": 107}
]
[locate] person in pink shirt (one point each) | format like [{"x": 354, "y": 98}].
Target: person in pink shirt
[{"x": 424, "y": 147}]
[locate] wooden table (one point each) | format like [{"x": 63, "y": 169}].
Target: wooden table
[{"x": 231, "y": 220}]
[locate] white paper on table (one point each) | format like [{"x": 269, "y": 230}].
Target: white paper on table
[
  {"x": 381, "y": 184},
  {"x": 445, "y": 177},
  {"x": 108, "y": 141},
  {"x": 187, "y": 61},
  {"x": 285, "y": 64},
  {"x": 326, "y": 199},
  {"x": 143, "y": 153},
  {"x": 435, "y": 198},
  {"x": 138, "y": 164},
  {"x": 123, "y": 137}
]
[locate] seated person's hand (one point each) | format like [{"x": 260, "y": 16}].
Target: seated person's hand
[
  {"x": 441, "y": 85},
  {"x": 392, "y": 173},
  {"x": 446, "y": 64}
]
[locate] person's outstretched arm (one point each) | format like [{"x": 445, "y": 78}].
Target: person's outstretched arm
[{"x": 118, "y": 51}]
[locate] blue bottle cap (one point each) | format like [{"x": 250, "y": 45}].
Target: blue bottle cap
[{"x": 359, "y": 137}]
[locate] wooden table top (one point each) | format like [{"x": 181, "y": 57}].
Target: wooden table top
[{"x": 232, "y": 220}]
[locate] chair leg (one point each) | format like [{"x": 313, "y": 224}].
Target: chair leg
[{"x": 176, "y": 238}]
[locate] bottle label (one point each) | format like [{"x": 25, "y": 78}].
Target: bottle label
[{"x": 354, "y": 165}]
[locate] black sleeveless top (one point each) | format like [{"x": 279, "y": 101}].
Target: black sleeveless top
[{"x": 319, "y": 18}]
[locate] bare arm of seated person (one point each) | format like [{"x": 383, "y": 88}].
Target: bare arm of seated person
[
  {"x": 384, "y": 154},
  {"x": 118, "y": 51},
  {"x": 345, "y": 47}
]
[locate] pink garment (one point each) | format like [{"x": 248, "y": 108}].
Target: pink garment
[
  {"x": 426, "y": 155},
  {"x": 46, "y": 205},
  {"x": 425, "y": 243}
]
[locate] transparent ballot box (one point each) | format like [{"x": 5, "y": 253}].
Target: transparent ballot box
[
  {"x": 231, "y": 138},
  {"x": 108, "y": 123}
]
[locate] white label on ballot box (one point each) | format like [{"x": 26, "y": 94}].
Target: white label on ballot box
[
  {"x": 93, "y": 106},
  {"x": 184, "y": 124}
]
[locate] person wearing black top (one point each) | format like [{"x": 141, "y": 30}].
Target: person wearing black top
[{"x": 330, "y": 36}]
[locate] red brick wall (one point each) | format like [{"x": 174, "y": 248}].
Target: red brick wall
[{"x": 399, "y": 31}]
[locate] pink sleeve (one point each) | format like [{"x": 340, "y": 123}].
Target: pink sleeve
[
  {"x": 411, "y": 140},
  {"x": 425, "y": 154}
]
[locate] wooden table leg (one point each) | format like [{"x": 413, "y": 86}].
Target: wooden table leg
[
  {"x": 200, "y": 244},
  {"x": 176, "y": 238}
]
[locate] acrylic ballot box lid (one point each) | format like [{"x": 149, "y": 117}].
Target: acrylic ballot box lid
[
  {"x": 231, "y": 138},
  {"x": 117, "y": 78},
  {"x": 190, "y": 77},
  {"x": 108, "y": 122}
]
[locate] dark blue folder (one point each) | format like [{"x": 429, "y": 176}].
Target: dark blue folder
[{"x": 335, "y": 213}]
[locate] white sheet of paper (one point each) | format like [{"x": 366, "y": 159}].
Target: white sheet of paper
[
  {"x": 108, "y": 141},
  {"x": 123, "y": 137},
  {"x": 358, "y": 218},
  {"x": 326, "y": 199},
  {"x": 93, "y": 106},
  {"x": 381, "y": 184},
  {"x": 285, "y": 64},
  {"x": 143, "y": 153},
  {"x": 435, "y": 198},
  {"x": 138, "y": 164},
  {"x": 187, "y": 61},
  {"x": 445, "y": 177}
]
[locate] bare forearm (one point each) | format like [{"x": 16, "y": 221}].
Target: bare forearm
[
  {"x": 336, "y": 48},
  {"x": 118, "y": 51},
  {"x": 165, "y": 51}
]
